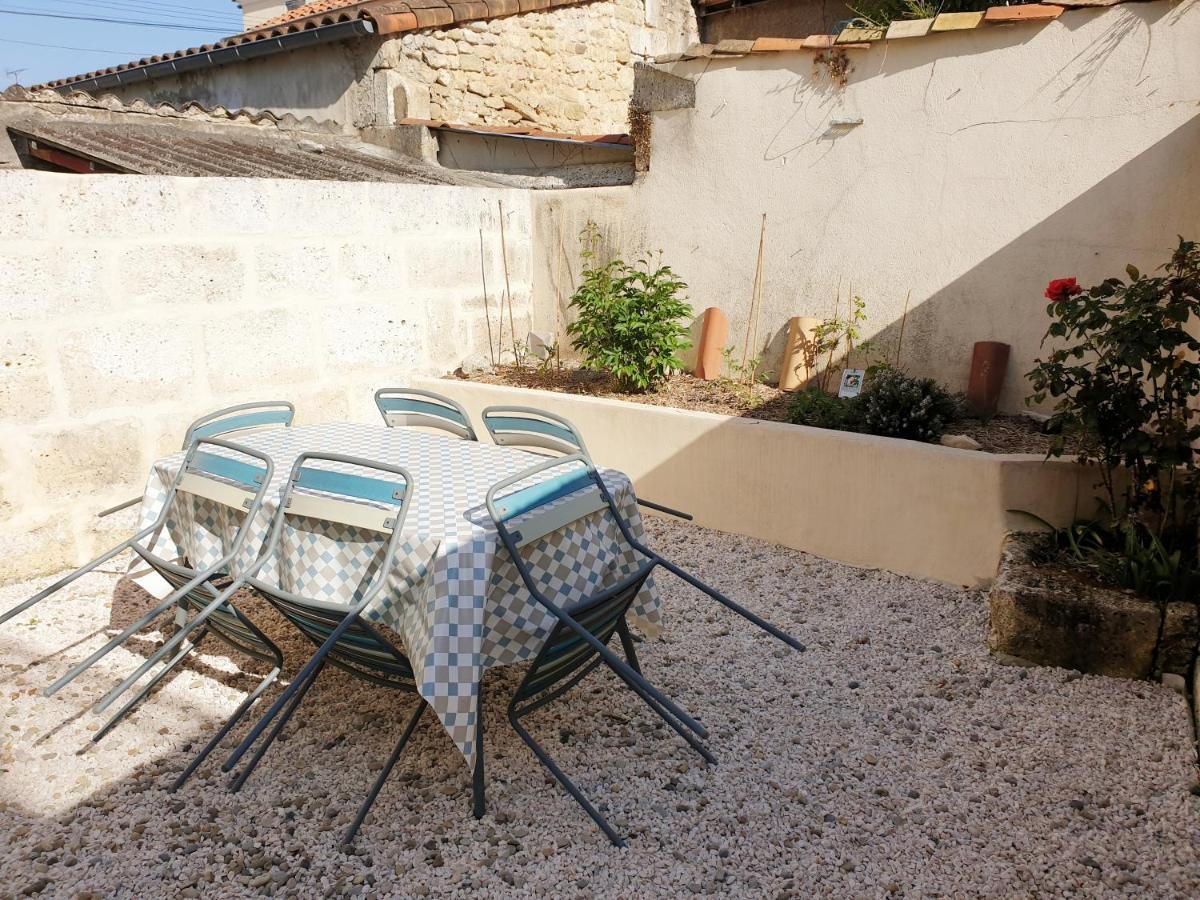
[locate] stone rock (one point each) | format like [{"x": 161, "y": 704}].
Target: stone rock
[
  {"x": 960, "y": 442},
  {"x": 474, "y": 364},
  {"x": 541, "y": 344},
  {"x": 1052, "y": 619},
  {"x": 1180, "y": 635},
  {"x": 1175, "y": 682}
]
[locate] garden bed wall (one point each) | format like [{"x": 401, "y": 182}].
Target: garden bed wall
[{"x": 913, "y": 508}]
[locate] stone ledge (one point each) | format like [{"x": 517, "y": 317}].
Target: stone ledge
[{"x": 1043, "y": 616}]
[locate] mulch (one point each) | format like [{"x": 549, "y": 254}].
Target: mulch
[{"x": 1000, "y": 434}]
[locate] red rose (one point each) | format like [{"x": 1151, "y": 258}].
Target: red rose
[{"x": 1060, "y": 289}]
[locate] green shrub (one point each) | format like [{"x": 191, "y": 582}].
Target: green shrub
[
  {"x": 819, "y": 409},
  {"x": 629, "y": 319},
  {"x": 898, "y": 405}
]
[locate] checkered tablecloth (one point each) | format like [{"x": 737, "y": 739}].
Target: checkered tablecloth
[{"x": 454, "y": 595}]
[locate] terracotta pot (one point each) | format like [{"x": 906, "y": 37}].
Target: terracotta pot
[
  {"x": 713, "y": 335},
  {"x": 989, "y": 364}
]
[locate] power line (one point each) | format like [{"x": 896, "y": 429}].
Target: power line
[
  {"x": 80, "y": 49},
  {"x": 172, "y": 15},
  {"x": 38, "y": 15}
]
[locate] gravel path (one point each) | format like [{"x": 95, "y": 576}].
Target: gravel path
[{"x": 892, "y": 758}]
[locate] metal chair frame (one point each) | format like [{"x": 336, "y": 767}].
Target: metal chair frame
[
  {"x": 342, "y": 637},
  {"x": 542, "y": 682},
  {"x": 424, "y": 409},
  {"x": 215, "y": 424},
  {"x": 526, "y": 426},
  {"x": 205, "y": 592}
]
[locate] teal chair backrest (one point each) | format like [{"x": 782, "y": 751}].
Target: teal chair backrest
[
  {"x": 423, "y": 409},
  {"x": 524, "y": 426}
]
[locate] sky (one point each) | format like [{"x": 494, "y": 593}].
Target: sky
[{"x": 50, "y": 39}]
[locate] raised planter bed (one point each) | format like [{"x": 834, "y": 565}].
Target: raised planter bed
[
  {"x": 1046, "y": 614},
  {"x": 917, "y": 509}
]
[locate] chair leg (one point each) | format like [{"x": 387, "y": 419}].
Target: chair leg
[
  {"x": 266, "y": 745},
  {"x": 627, "y": 646},
  {"x": 478, "y": 803},
  {"x": 121, "y": 638},
  {"x": 226, "y": 728},
  {"x": 566, "y": 782},
  {"x": 352, "y": 832},
  {"x": 141, "y": 695},
  {"x": 107, "y": 700}
]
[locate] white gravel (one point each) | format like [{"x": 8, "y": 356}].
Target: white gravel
[{"x": 892, "y": 758}]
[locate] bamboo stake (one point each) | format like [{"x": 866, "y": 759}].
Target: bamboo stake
[
  {"x": 487, "y": 313},
  {"x": 507, "y": 287},
  {"x": 837, "y": 304},
  {"x": 756, "y": 294},
  {"x": 903, "y": 321}
]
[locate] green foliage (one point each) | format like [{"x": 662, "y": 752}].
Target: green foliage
[
  {"x": 1127, "y": 554},
  {"x": 819, "y": 409},
  {"x": 628, "y": 318},
  {"x": 1125, "y": 376},
  {"x": 898, "y": 405},
  {"x": 831, "y": 334},
  {"x": 884, "y": 12}
]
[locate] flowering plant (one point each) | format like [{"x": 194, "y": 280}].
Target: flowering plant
[
  {"x": 1125, "y": 377},
  {"x": 1062, "y": 289}
]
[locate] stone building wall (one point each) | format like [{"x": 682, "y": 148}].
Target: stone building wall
[
  {"x": 565, "y": 69},
  {"x": 568, "y": 69}
]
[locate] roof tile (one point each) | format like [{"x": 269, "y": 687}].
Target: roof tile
[{"x": 1026, "y": 12}]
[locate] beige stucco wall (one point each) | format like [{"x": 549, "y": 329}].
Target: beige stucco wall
[
  {"x": 912, "y": 508},
  {"x": 987, "y": 162},
  {"x": 131, "y": 305},
  {"x": 568, "y": 69}
]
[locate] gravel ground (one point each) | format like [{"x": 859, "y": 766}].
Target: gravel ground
[{"x": 892, "y": 758}]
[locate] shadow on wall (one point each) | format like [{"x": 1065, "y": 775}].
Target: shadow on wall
[{"x": 1087, "y": 231}]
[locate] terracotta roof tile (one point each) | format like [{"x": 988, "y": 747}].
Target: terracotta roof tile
[{"x": 388, "y": 16}]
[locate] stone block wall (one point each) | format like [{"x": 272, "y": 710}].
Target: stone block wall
[
  {"x": 132, "y": 305},
  {"x": 569, "y": 68}
]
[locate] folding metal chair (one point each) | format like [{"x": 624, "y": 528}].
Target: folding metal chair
[
  {"x": 243, "y": 417},
  {"x": 238, "y": 487},
  {"x": 423, "y": 409},
  {"x": 524, "y": 426},
  {"x": 578, "y": 642},
  {"x": 344, "y": 639}
]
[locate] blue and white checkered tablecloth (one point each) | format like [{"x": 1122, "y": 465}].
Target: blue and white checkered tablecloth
[{"x": 454, "y": 595}]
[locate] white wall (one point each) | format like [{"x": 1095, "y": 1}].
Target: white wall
[
  {"x": 987, "y": 162},
  {"x": 131, "y": 305}
]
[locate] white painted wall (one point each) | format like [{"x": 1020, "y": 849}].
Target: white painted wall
[
  {"x": 131, "y": 305},
  {"x": 987, "y": 162}
]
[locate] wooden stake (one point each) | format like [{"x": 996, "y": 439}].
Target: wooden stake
[
  {"x": 903, "y": 320},
  {"x": 756, "y": 294},
  {"x": 507, "y": 287},
  {"x": 487, "y": 313}
]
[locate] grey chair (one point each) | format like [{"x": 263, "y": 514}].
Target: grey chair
[
  {"x": 578, "y": 641},
  {"x": 537, "y": 430},
  {"x": 344, "y": 639},
  {"x": 231, "y": 419},
  {"x": 216, "y": 471},
  {"x": 423, "y": 409}
]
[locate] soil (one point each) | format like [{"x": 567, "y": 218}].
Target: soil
[{"x": 1000, "y": 434}]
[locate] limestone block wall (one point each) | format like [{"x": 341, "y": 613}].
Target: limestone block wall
[
  {"x": 565, "y": 69},
  {"x": 131, "y": 305},
  {"x": 569, "y": 68}
]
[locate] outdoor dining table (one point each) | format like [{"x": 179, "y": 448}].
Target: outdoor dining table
[{"x": 454, "y": 597}]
